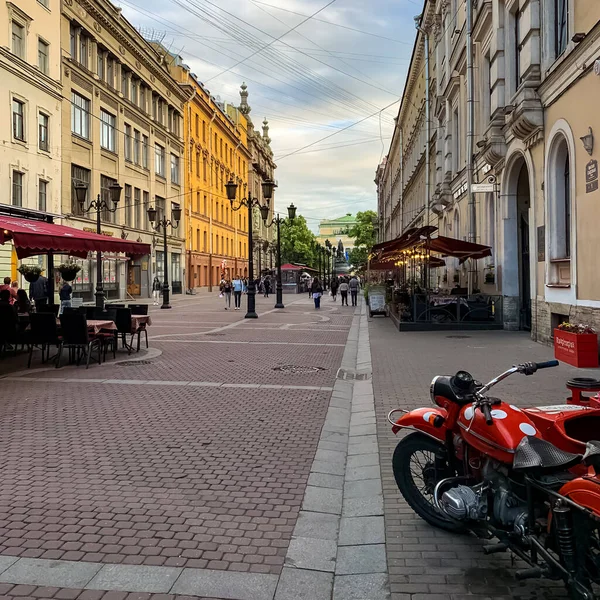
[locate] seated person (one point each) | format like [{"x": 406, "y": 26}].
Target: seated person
[{"x": 22, "y": 303}]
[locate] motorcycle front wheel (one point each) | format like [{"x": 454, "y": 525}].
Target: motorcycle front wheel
[{"x": 415, "y": 473}]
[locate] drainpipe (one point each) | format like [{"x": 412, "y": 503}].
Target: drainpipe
[
  {"x": 401, "y": 182},
  {"x": 470, "y": 135},
  {"x": 427, "y": 117},
  {"x": 210, "y": 218},
  {"x": 191, "y": 198}
]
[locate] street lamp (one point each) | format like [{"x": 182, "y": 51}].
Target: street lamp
[
  {"x": 98, "y": 205},
  {"x": 264, "y": 213},
  {"x": 334, "y": 252},
  {"x": 268, "y": 187},
  {"x": 164, "y": 223}
]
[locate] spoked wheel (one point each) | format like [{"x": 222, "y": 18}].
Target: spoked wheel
[
  {"x": 414, "y": 465},
  {"x": 587, "y": 536}
]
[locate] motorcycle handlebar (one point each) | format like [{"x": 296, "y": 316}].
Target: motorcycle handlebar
[
  {"x": 547, "y": 364},
  {"x": 487, "y": 413}
]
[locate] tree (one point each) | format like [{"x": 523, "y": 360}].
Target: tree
[
  {"x": 297, "y": 242},
  {"x": 363, "y": 233}
]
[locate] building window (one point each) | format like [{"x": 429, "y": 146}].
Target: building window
[
  {"x": 455, "y": 141},
  {"x": 143, "y": 98},
  {"x": 125, "y": 83},
  {"x": 18, "y": 120},
  {"x": 17, "y": 188},
  {"x": 160, "y": 208},
  {"x": 43, "y": 122},
  {"x": 110, "y": 71},
  {"x": 145, "y": 151},
  {"x": 43, "y": 56},
  {"x": 73, "y": 41},
  {"x": 197, "y": 164},
  {"x": 205, "y": 206},
  {"x": 80, "y": 116},
  {"x": 42, "y": 195},
  {"x": 134, "y": 90},
  {"x": 159, "y": 160},
  {"x": 197, "y": 126},
  {"x": 137, "y": 208},
  {"x": 136, "y": 146},
  {"x": 205, "y": 169},
  {"x": 144, "y": 210},
  {"x": 204, "y": 242},
  {"x": 567, "y": 206},
  {"x": 128, "y": 205},
  {"x": 128, "y": 143},
  {"x": 78, "y": 175},
  {"x": 18, "y": 40},
  {"x": 100, "y": 63},
  {"x": 105, "y": 184},
  {"x": 204, "y": 131},
  {"x": 174, "y": 169},
  {"x": 83, "y": 49},
  {"x": 174, "y": 206},
  {"x": 107, "y": 131},
  {"x": 561, "y": 25}
]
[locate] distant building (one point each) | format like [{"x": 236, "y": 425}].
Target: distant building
[{"x": 336, "y": 230}]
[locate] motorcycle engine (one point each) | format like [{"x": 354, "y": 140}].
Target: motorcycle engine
[{"x": 492, "y": 498}]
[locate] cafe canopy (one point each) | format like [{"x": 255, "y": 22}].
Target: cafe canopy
[
  {"x": 417, "y": 242},
  {"x": 31, "y": 238}
]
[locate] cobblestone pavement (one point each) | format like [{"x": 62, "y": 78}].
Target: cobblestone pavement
[
  {"x": 193, "y": 460},
  {"x": 425, "y": 563}
]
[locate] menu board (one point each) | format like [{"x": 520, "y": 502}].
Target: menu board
[{"x": 376, "y": 303}]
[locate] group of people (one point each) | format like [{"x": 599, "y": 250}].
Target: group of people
[
  {"x": 342, "y": 284},
  {"x": 23, "y": 302},
  {"x": 237, "y": 287}
]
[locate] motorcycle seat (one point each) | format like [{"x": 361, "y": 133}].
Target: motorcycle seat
[{"x": 536, "y": 456}]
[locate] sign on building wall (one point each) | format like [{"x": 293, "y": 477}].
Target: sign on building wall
[
  {"x": 541, "y": 243},
  {"x": 591, "y": 176}
]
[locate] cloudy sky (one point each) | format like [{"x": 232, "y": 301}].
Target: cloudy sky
[{"x": 333, "y": 70}]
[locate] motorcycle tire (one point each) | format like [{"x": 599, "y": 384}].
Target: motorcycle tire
[{"x": 401, "y": 464}]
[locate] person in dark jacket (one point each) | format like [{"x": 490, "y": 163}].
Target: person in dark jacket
[
  {"x": 156, "y": 287},
  {"x": 38, "y": 291},
  {"x": 317, "y": 291},
  {"x": 65, "y": 296},
  {"x": 22, "y": 303},
  {"x": 334, "y": 288}
]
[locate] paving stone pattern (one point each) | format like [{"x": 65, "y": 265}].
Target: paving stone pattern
[{"x": 426, "y": 563}]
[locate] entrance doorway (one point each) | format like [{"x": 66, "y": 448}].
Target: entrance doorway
[
  {"x": 134, "y": 280},
  {"x": 523, "y": 204}
]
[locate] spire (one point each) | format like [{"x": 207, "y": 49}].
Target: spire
[
  {"x": 244, "y": 106},
  {"x": 265, "y": 129}
]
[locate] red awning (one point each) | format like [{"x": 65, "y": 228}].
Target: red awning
[
  {"x": 387, "y": 265},
  {"x": 37, "y": 237},
  {"x": 291, "y": 267}
]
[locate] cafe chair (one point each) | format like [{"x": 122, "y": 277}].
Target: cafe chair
[
  {"x": 75, "y": 336},
  {"x": 125, "y": 327},
  {"x": 43, "y": 333},
  {"x": 9, "y": 329},
  {"x": 109, "y": 339},
  {"x": 139, "y": 309}
]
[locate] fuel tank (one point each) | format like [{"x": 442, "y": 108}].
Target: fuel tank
[{"x": 500, "y": 439}]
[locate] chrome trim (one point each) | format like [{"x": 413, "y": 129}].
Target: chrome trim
[
  {"x": 421, "y": 431},
  {"x": 394, "y": 411},
  {"x": 480, "y": 437},
  {"x": 432, "y": 386}
]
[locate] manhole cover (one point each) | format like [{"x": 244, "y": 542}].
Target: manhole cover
[
  {"x": 298, "y": 369},
  {"x": 352, "y": 375},
  {"x": 134, "y": 363},
  {"x": 459, "y": 337}
]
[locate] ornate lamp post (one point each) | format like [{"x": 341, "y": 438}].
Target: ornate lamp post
[
  {"x": 164, "y": 223},
  {"x": 264, "y": 213},
  {"x": 249, "y": 202},
  {"x": 334, "y": 253},
  {"x": 98, "y": 205}
]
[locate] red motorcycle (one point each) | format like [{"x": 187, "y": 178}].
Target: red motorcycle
[{"x": 525, "y": 476}]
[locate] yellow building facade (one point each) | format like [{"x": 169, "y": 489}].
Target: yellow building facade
[{"x": 216, "y": 150}]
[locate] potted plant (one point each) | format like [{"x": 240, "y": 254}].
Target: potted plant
[
  {"x": 576, "y": 344},
  {"x": 31, "y": 273},
  {"x": 68, "y": 271}
]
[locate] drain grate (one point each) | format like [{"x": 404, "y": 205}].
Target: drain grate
[
  {"x": 459, "y": 337},
  {"x": 298, "y": 369},
  {"x": 352, "y": 375},
  {"x": 134, "y": 363}
]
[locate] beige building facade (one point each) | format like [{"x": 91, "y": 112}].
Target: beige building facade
[
  {"x": 123, "y": 123},
  {"x": 534, "y": 67},
  {"x": 30, "y": 154}
]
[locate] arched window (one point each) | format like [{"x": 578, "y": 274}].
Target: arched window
[
  {"x": 456, "y": 225},
  {"x": 567, "y": 207},
  {"x": 559, "y": 200}
]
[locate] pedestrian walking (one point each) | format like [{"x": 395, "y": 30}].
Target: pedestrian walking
[
  {"x": 65, "y": 297},
  {"x": 156, "y": 291},
  {"x": 334, "y": 288},
  {"x": 344, "y": 287},
  {"x": 354, "y": 285},
  {"x": 267, "y": 286},
  {"x": 317, "y": 291},
  {"x": 309, "y": 283},
  {"x": 226, "y": 290},
  {"x": 238, "y": 288}
]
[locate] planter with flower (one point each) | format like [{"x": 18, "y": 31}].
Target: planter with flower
[
  {"x": 68, "y": 271},
  {"x": 576, "y": 344},
  {"x": 31, "y": 273}
]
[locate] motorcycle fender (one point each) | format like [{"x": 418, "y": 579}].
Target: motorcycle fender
[
  {"x": 585, "y": 491},
  {"x": 422, "y": 419}
]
